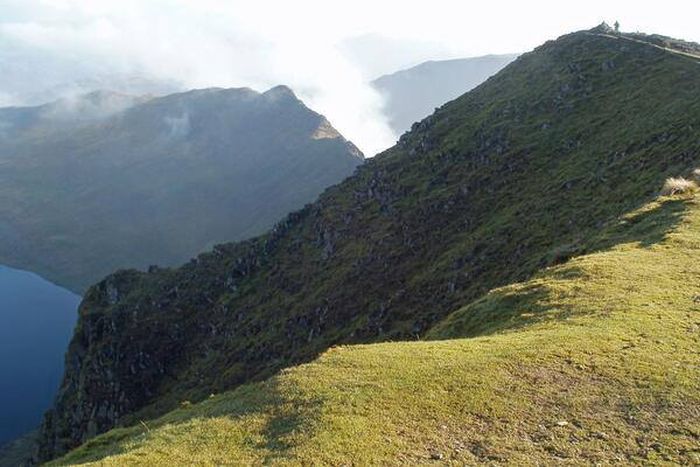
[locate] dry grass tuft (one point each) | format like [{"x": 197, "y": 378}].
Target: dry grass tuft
[{"x": 677, "y": 186}]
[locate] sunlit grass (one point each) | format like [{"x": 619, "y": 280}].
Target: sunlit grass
[{"x": 594, "y": 361}]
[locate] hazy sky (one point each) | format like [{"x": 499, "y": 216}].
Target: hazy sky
[{"x": 326, "y": 51}]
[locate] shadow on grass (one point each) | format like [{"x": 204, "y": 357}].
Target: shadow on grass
[
  {"x": 288, "y": 414},
  {"x": 525, "y": 304},
  {"x": 646, "y": 227},
  {"x": 506, "y": 310}
]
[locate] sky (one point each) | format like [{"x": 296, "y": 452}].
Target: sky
[{"x": 327, "y": 51}]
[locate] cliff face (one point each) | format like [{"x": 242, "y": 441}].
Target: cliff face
[
  {"x": 491, "y": 188},
  {"x": 109, "y": 181}
]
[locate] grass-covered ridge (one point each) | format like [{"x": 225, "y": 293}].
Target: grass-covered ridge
[
  {"x": 596, "y": 360},
  {"x": 530, "y": 169}
]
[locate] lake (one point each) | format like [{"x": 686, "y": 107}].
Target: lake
[{"x": 36, "y": 323}]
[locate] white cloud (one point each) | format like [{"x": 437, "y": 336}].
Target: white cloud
[{"x": 325, "y": 50}]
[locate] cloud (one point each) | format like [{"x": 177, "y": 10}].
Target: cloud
[
  {"x": 7, "y": 100},
  {"x": 178, "y": 127},
  {"x": 213, "y": 44},
  {"x": 326, "y": 51}
]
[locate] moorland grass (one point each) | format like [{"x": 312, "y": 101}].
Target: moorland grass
[{"x": 596, "y": 360}]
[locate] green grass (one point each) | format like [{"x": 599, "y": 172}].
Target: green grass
[
  {"x": 529, "y": 170},
  {"x": 596, "y": 360}
]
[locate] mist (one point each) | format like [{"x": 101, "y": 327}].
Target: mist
[
  {"x": 326, "y": 54},
  {"x": 188, "y": 47}
]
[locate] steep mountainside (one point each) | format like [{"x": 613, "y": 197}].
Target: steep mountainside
[
  {"x": 594, "y": 362},
  {"x": 413, "y": 94},
  {"x": 523, "y": 172},
  {"x": 158, "y": 182}
]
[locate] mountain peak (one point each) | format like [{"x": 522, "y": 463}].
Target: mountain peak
[
  {"x": 234, "y": 130},
  {"x": 280, "y": 92}
]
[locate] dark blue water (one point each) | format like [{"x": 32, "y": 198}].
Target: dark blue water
[{"x": 36, "y": 322}]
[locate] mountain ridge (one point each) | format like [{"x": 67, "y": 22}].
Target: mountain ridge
[
  {"x": 65, "y": 112},
  {"x": 590, "y": 361},
  {"x": 160, "y": 180},
  {"x": 412, "y": 94},
  {"x": 492, "y": 188}
]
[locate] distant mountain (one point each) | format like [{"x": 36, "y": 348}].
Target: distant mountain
[
  {"x": 33, "y": 76},
  {"x": 521, "y": 222},
  {"x": 64, "y": 114},
  {"x": 116, "y": 83},
  {"x": 413, "y": 94},
  {"x": 107, "y": 181}
]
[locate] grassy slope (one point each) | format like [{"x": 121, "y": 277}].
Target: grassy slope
[
  {"x": 595, "y": 360},
  {"x": 516, "y": 175}
]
